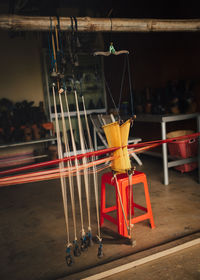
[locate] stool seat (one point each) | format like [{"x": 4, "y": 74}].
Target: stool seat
[{"x": 124, "y": 189}]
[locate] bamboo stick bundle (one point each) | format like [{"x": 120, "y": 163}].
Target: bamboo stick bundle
[{"x": 88, "y": 24}]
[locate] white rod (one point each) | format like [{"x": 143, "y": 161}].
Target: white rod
[
  {"x": 61, "y": 166},
  {"x": 94, "y": 170},
  {"x": 83, "y": 150},
  {"x": 69, "y": 164},
  {"x": 78, "y": 178}
]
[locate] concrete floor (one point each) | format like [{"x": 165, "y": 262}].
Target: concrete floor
[
  {"x": 33, "y": 236},
  {"x": 183, "y": 265}
]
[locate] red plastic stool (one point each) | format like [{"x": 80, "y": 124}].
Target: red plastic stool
[{"x": 123, "y": 183}]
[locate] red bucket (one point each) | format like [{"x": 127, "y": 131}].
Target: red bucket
[{"x": 183, "y": 149}]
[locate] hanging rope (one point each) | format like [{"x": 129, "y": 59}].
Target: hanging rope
[
  {"x": 110, "y": 52},
  {"x": 126, "y": 65},
  {"x": 122, "y": 83},
  {"x": 51, "y": 55},
  {"x": 130, "y": 85},
  {"x": 109, "y": 91}
]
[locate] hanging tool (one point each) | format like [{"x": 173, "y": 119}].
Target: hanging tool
[
  {"x": 77, "y": 251},
  {"x": 111, "y": 51},
  {"x": 84, "y": 244},
  {"x": 68, "y": 257},
  {"x": 126, "y": 65},
  {"x": 100, "y": 249}
]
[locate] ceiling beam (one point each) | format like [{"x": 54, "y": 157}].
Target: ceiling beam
[{"x": 87, "y": 24}]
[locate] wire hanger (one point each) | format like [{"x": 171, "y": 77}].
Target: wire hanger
[{"x": 111, "y": 49}]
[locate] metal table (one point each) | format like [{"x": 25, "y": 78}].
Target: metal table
[{"x": 163, "y": 120}]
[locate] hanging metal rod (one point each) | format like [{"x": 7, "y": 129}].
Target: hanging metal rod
[{"x": 87, "y": 24}]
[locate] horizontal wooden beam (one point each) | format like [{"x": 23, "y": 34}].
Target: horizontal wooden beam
[{"x": 87, "y": 24}]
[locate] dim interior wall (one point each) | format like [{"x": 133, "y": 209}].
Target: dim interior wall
[
  {"x": 20, "y": 71},
  {"x": 161, "y": 57},
  {"x": 155, "y": 59},
  {"x": 155, "y": 67}
]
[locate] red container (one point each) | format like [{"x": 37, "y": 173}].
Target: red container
[{"x": 183, "y": 149}]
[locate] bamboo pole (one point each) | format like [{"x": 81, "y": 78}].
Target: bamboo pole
[{"x": 87, "y": 24}]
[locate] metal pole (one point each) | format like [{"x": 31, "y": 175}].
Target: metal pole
[{"x": 164, "y": 152}]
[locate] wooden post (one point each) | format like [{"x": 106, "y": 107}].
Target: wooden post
[{"x": 87, "y": 24}]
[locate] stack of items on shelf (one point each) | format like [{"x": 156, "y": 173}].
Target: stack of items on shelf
[
  {"x": 177, "y": 97},
  {"x": 22, "y": 121}
]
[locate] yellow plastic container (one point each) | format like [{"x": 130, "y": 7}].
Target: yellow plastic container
[
  {"x": 117, "y": 136},
  {"x": 124, "y": 129}
]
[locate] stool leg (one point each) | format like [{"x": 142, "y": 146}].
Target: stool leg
[
  {"x": 128, "y": 200},
  {"x": 148, "y": 202},
  {"x": 119, "y": 213},
  {"x": 103, "y": 202},
  {"x": 121, "y": 207},
  {"x": 124, "y": 190}
]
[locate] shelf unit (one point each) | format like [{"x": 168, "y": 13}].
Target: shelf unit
[
  {"x": 164, "y": 120},
  {"x": 88, "y": 77}
]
